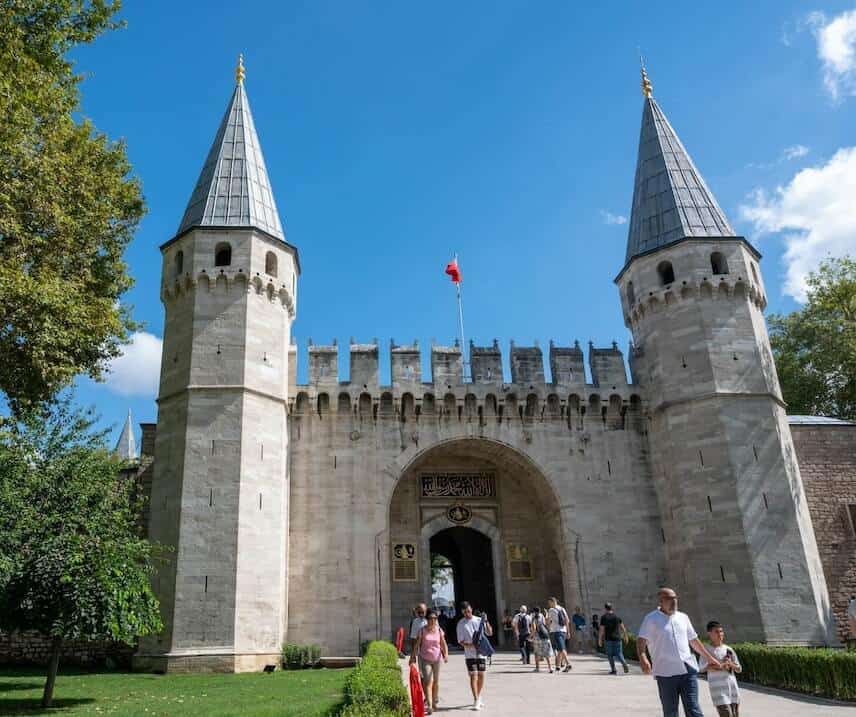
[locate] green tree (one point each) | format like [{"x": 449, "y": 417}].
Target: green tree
[
  {"x": 815, "y": 347},
  {"x": 68, "y": 206},
  {"x": 73, "y": 562}
]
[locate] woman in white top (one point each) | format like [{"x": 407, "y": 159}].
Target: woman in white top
[{"x": 724, "y": 692}]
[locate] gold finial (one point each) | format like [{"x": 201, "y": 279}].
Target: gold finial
[
  {"x": 240, "y": 73},
  {"x": 647, "y": 87}
]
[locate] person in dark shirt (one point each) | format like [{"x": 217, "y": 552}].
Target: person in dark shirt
[{"x": 612, "y": 635}]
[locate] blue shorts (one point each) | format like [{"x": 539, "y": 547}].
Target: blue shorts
[{"x": 557, "y": 640}]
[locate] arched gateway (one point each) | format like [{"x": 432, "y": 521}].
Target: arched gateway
[{"x": 490, "y": 511}]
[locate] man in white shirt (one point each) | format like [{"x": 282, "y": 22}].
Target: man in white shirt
[
  {"x": 417, "y": 622},
  {"x": 558, "y": 623},
  {"x": 668, "y": 633},
  {"x": 468, "y": 629}
]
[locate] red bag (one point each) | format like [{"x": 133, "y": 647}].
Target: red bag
[
  {"x": 399, "y": 640},
  {"x": 417, "y": 696}
]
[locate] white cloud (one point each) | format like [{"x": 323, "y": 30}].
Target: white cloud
[
  {"x": 813, "y": 212},
  {"x": 794, "y": 152},
  {"x": 836, "y": 49},
  {"x": 137, "y": 371},
  {"x": 610, "y": 218}
]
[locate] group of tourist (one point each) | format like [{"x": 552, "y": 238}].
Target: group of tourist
[
  {"x": 666, "y": 635},
  {"x": 428, "y": 648}
]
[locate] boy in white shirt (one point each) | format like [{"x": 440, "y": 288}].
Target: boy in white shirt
[{"x": 721, "y": 680}]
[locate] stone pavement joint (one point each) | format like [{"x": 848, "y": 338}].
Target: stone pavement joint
[{"x": 514, "y": 690}]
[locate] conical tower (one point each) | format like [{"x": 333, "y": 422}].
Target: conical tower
[
  {"x": 219, "y": 490},
  {"x": 736, "y": 527},
  {"x": 126, "y": 446}
]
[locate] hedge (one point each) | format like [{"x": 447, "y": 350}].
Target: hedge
[
  {"x": 375, "y": 688},
  {"x": 812, "y": 671},
  {"x": 819, "y": 672}
]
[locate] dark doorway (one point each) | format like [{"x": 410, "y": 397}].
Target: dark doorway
[{"x": 470, "y": 555}]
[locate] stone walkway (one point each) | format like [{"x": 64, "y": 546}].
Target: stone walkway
[{"x": 514, "y": 690}]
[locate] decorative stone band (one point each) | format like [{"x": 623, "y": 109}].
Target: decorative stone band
[
  {"x": 232, "y": 280},
  {"x": 665, "y": 405}
]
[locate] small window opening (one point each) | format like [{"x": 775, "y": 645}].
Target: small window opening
[
  {"x": 223, "y": 255},
  {"x": 781, "y": 574},
  {"x": 709, "y": 504},
  {"x": 270, "y": 264},
  {"x": 179, "y": 263},
  {"x": 754, "y": 271},
  {"x": 722, "y": 573},
  {"x": 851, "y": 510},
  {"x": 666, "y": 272},
  {"x": 766, "y": 504},
  {"x": 630, "y": 293},
  {"x": 718, "y": 263}
]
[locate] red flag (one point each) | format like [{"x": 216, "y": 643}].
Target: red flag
[
  {"x": 417, "y": 696},
  {"x": 453, "y": 271}
]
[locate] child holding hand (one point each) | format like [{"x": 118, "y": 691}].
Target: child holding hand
[{"x": 722, "y": 681}]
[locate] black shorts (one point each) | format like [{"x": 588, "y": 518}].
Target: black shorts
[{"x": 476, "y": 664}]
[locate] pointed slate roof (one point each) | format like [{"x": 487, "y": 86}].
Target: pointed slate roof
[
  {"x": 670, "y": 198},
  {"x": 233, "y": 189},
  {"x": 126, "y": 446}
]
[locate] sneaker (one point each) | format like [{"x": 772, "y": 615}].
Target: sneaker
[
  {"x": 613, "y": 672},
  {"x": 475, "y": 706},
  {"x": 481, "y": 703},
  {"x": 626, "y": 669},
  {"x": 568, "y": 667}
]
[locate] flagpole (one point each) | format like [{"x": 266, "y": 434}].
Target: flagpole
[{"x": 463, "y": 340}]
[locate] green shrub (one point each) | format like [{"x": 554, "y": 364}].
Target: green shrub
[
  {"x": 813, "y": 671},
  {"x": 299, "y": 657},
  {"x": 374, "y": 688}
]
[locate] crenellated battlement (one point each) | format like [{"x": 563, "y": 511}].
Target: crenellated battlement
[
  {"x": 225, "y": 281},
  {"x": 528, "y": 396}
]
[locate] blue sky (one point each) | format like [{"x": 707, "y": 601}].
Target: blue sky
[{"x": 507, "y": 132}]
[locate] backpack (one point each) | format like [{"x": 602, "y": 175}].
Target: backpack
[
  {"x": 481, "y": 643},
  {"x": 562, "y": 619},
  {"x": 522, "y": 623}
]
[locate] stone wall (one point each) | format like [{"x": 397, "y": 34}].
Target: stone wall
[
  {"x": 29, "y": 648},
  {"x": 827, "y": 458}
]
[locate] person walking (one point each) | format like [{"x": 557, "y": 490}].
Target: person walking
[
  {"x": 431, "y": 647},
  {"x": 540, "y": 639},
  {"x": 612, "y": 635},
  {"x": 507, "y": 627},
  {"x": 417, "y": 622},
  {"x": 668, "y": 633},
  {"x": 558, "y": 624},
  {"x": 580, "y": 628},
  {"x": 470, "y": 631},
  {"x": 521, "y": 630},
  {"x": 851, "y": 619},
  {"x": 724, "y": 692}
]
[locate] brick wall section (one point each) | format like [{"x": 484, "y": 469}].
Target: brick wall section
[
  {"x": 33, "y": 649},
  {"x": 827, "y": 459}
]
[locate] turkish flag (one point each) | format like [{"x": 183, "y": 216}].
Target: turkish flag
[
  {"x": 417, "y": 696},
  {"x": 453, "y": 271}
]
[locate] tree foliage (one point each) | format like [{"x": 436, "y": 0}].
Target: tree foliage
[
  {"x": 68, "y": 206},
  {"x": 73, "y": 562},
  {"x": 815, "y": 347}
]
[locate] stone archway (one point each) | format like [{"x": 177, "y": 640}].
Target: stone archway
[{"x": 499, "y": 492}]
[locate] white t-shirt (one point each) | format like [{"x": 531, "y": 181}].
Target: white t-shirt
[
  {"x": 553, "y": 619},
  {"x": 416, "y": 624},
  {"x": 723, "y": 684},
  {"x": 668, "y": 638},
  {"x": 466, "y": 631}
]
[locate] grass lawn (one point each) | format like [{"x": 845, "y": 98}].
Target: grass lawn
[{"x": 307, "y": 693}]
